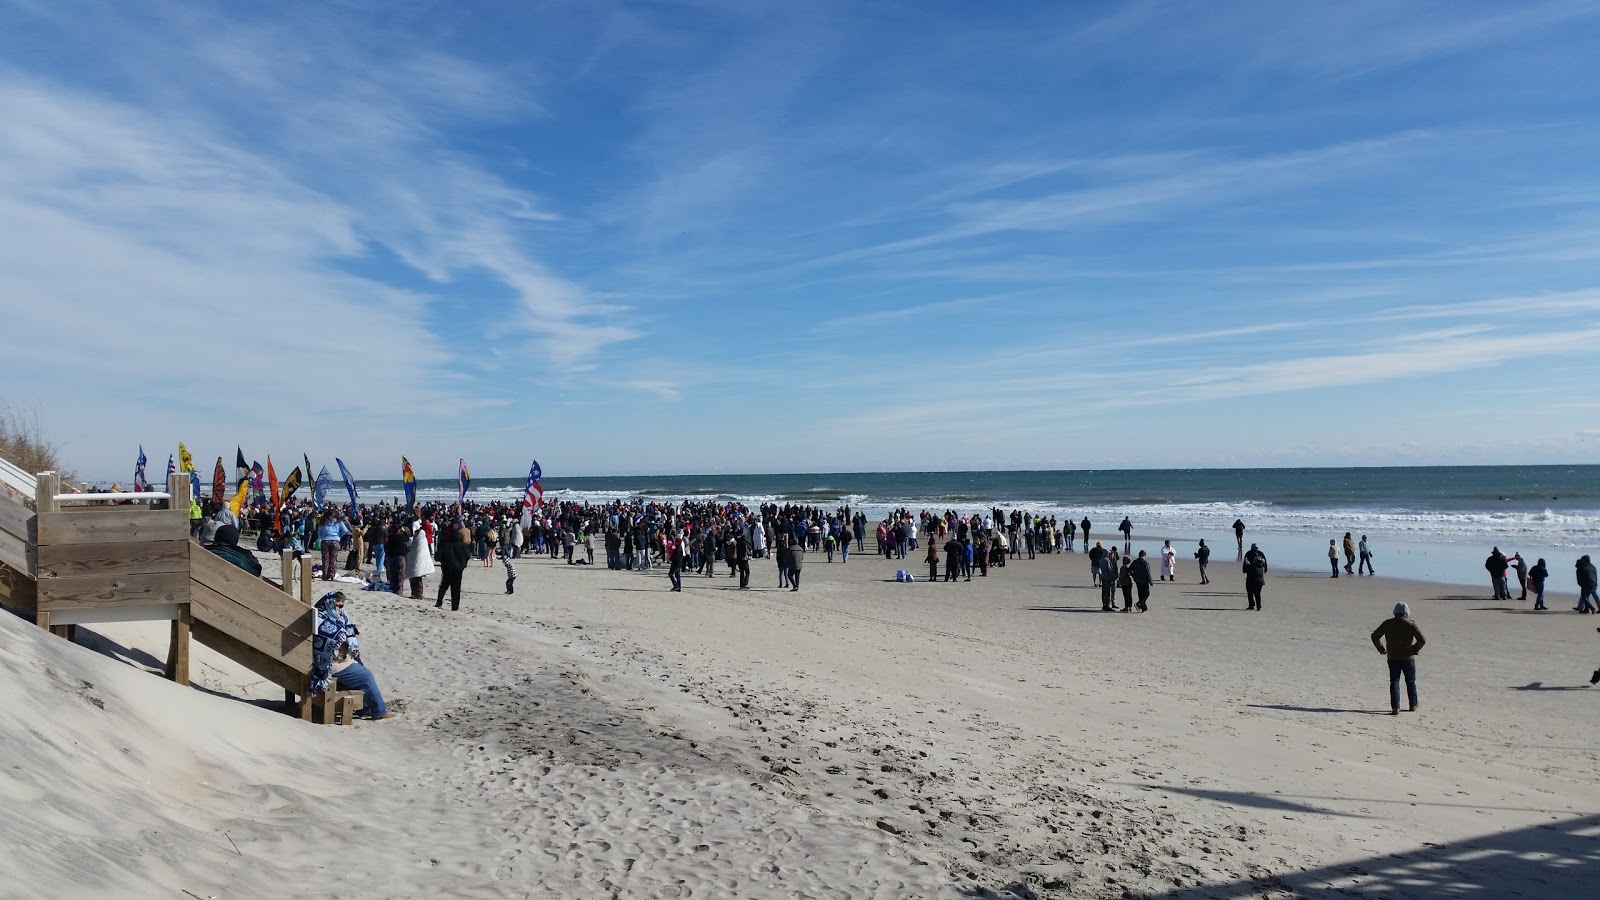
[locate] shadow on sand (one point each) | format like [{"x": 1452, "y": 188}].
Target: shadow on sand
[
  {"x": 1317, "y": 709},
  {"x": 1557, "y": 859}
]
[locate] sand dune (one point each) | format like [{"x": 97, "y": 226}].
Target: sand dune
[{"x": 595, "y": 736}]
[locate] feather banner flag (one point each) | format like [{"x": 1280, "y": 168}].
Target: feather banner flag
[
  {"x": 463, "y": 482},
  {"x": 272, "y": 480},
  {"x": 319, "y": 491},
  {"x": 291, "y": 484},
  {"x": 236, "y": 502},
  {"x": 140, "y": 483},
  {"x": 408, "y": 480},
  {"x": 534, "y": 493},
  {"x": 219, "y": 482},
  {"x": 170, "y": 467},
  {"x": 186, "y": 464},
  {"x": 349, "y": 485},
  {"x": 258, "y": 485},
  {"x": 241, "y": 469}
]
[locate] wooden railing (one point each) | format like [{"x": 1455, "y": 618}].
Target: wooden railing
[{"x": 73, "y": 565}]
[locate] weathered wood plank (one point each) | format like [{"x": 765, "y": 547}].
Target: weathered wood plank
[
  {"x": 108, "y": 560},
  {"x": 88, "y": 591},
  {"x": 17, "y": 520},
  {"x": 258, "y": 596},
  {"x": 17, "y": 553},
  {"x": 271, "y": 669},
  {"x": 164, "y": 612},
  {"x": 17, "y": 589},
  {"x": 116, "y": 525},
  {"x": 289, "y": 645}
]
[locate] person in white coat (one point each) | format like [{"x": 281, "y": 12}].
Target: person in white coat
[
  {"x": 1169, "y": 562},
  {"x": 419, "y": 561}
]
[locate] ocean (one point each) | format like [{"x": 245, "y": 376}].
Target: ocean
[{"x": 1429, "y": 522}]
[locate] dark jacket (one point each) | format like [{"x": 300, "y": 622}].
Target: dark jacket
[
  {"x": 797, "y": 557},
  {"x": 1585, "y": 572},
  {"x": 1141, "y": 572},
  {"x": 1402, "y": 636},
  {"x": 241, "y": 558},
  {"x": 454, "y": 554}
]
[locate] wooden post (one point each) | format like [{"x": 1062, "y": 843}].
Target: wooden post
[
  {"x": 42, "y": 619},
  {"x": 306, "y": 595},
  {"x": 286, "y": 562},
  {"x": 181, "y": 489},
  {"x": 178, "y": 649},
  {"x": 44, "y": 494},
  {"x": 305, "y": 699}
]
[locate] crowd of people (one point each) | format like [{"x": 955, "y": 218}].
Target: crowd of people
[{"x": 404, "y": 546}]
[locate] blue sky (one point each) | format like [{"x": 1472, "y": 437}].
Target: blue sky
[{"x": 746, "y": 236}]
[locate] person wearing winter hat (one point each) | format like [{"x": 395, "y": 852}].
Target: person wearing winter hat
[{"x": 1400, "y": 640}]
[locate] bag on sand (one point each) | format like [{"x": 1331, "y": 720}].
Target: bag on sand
[{"x": 902, "y": 575}]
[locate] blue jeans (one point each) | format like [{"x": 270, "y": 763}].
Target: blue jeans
[
  {"x": 1397, "y": 669},
  {"x": 357, "y": 677},
  {"x": 378, "y": 557},
  {"x": 1587, "y": 601}
]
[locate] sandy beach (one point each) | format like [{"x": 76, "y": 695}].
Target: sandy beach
[{"x": 597, "y": 736}]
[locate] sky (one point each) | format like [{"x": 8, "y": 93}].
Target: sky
[{"x": 747, "y": 236}]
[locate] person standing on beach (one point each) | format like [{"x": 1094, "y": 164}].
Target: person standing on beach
[
  {"x": 1255, "y": 577},
  {"x": 1366, "y": 558},
  {"x": 675, "y": 564},
  {"x": 1127, "y": 532},
  {"x": 1400, "y": 640},
  {"x": 1072, "y": 534},
  {"x": 1142, "y": 581},
  {"x": 419, "y": 561},
  {"x": 454, "y": 556},
  {"x": 952, "y": 558},
  {"x": 797, "y": 558},
  {"x": 1587, "y": 603},
  {"x": 932, "y": 559},
  {"x": 1169, "y": 562},
  {"x": 1238, "y": 533},
  {"x": 1106, "y": 575},
  {"x": 1333, "y": 556},
  {"x": 782, "y": 555},
  {"x": 1496, "y": 564},
  {"x": 1520, "y": 566},
  {"x": 1203, "y": 556},
  {"x": 1095, "y": 554},
  {"x": 741, "y": 559},
  {"x": 1084, "y": 527},
  {"x": 1349, "y": 554},
  {"x": 1536, "y": 578},
  {"x": 1125, "y": 582},
  {"x": 396, "y": 548}
]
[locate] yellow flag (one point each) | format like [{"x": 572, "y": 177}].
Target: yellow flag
[
  {"x": 236, "y": 502},
  {"x": 185, "y": 461}
]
